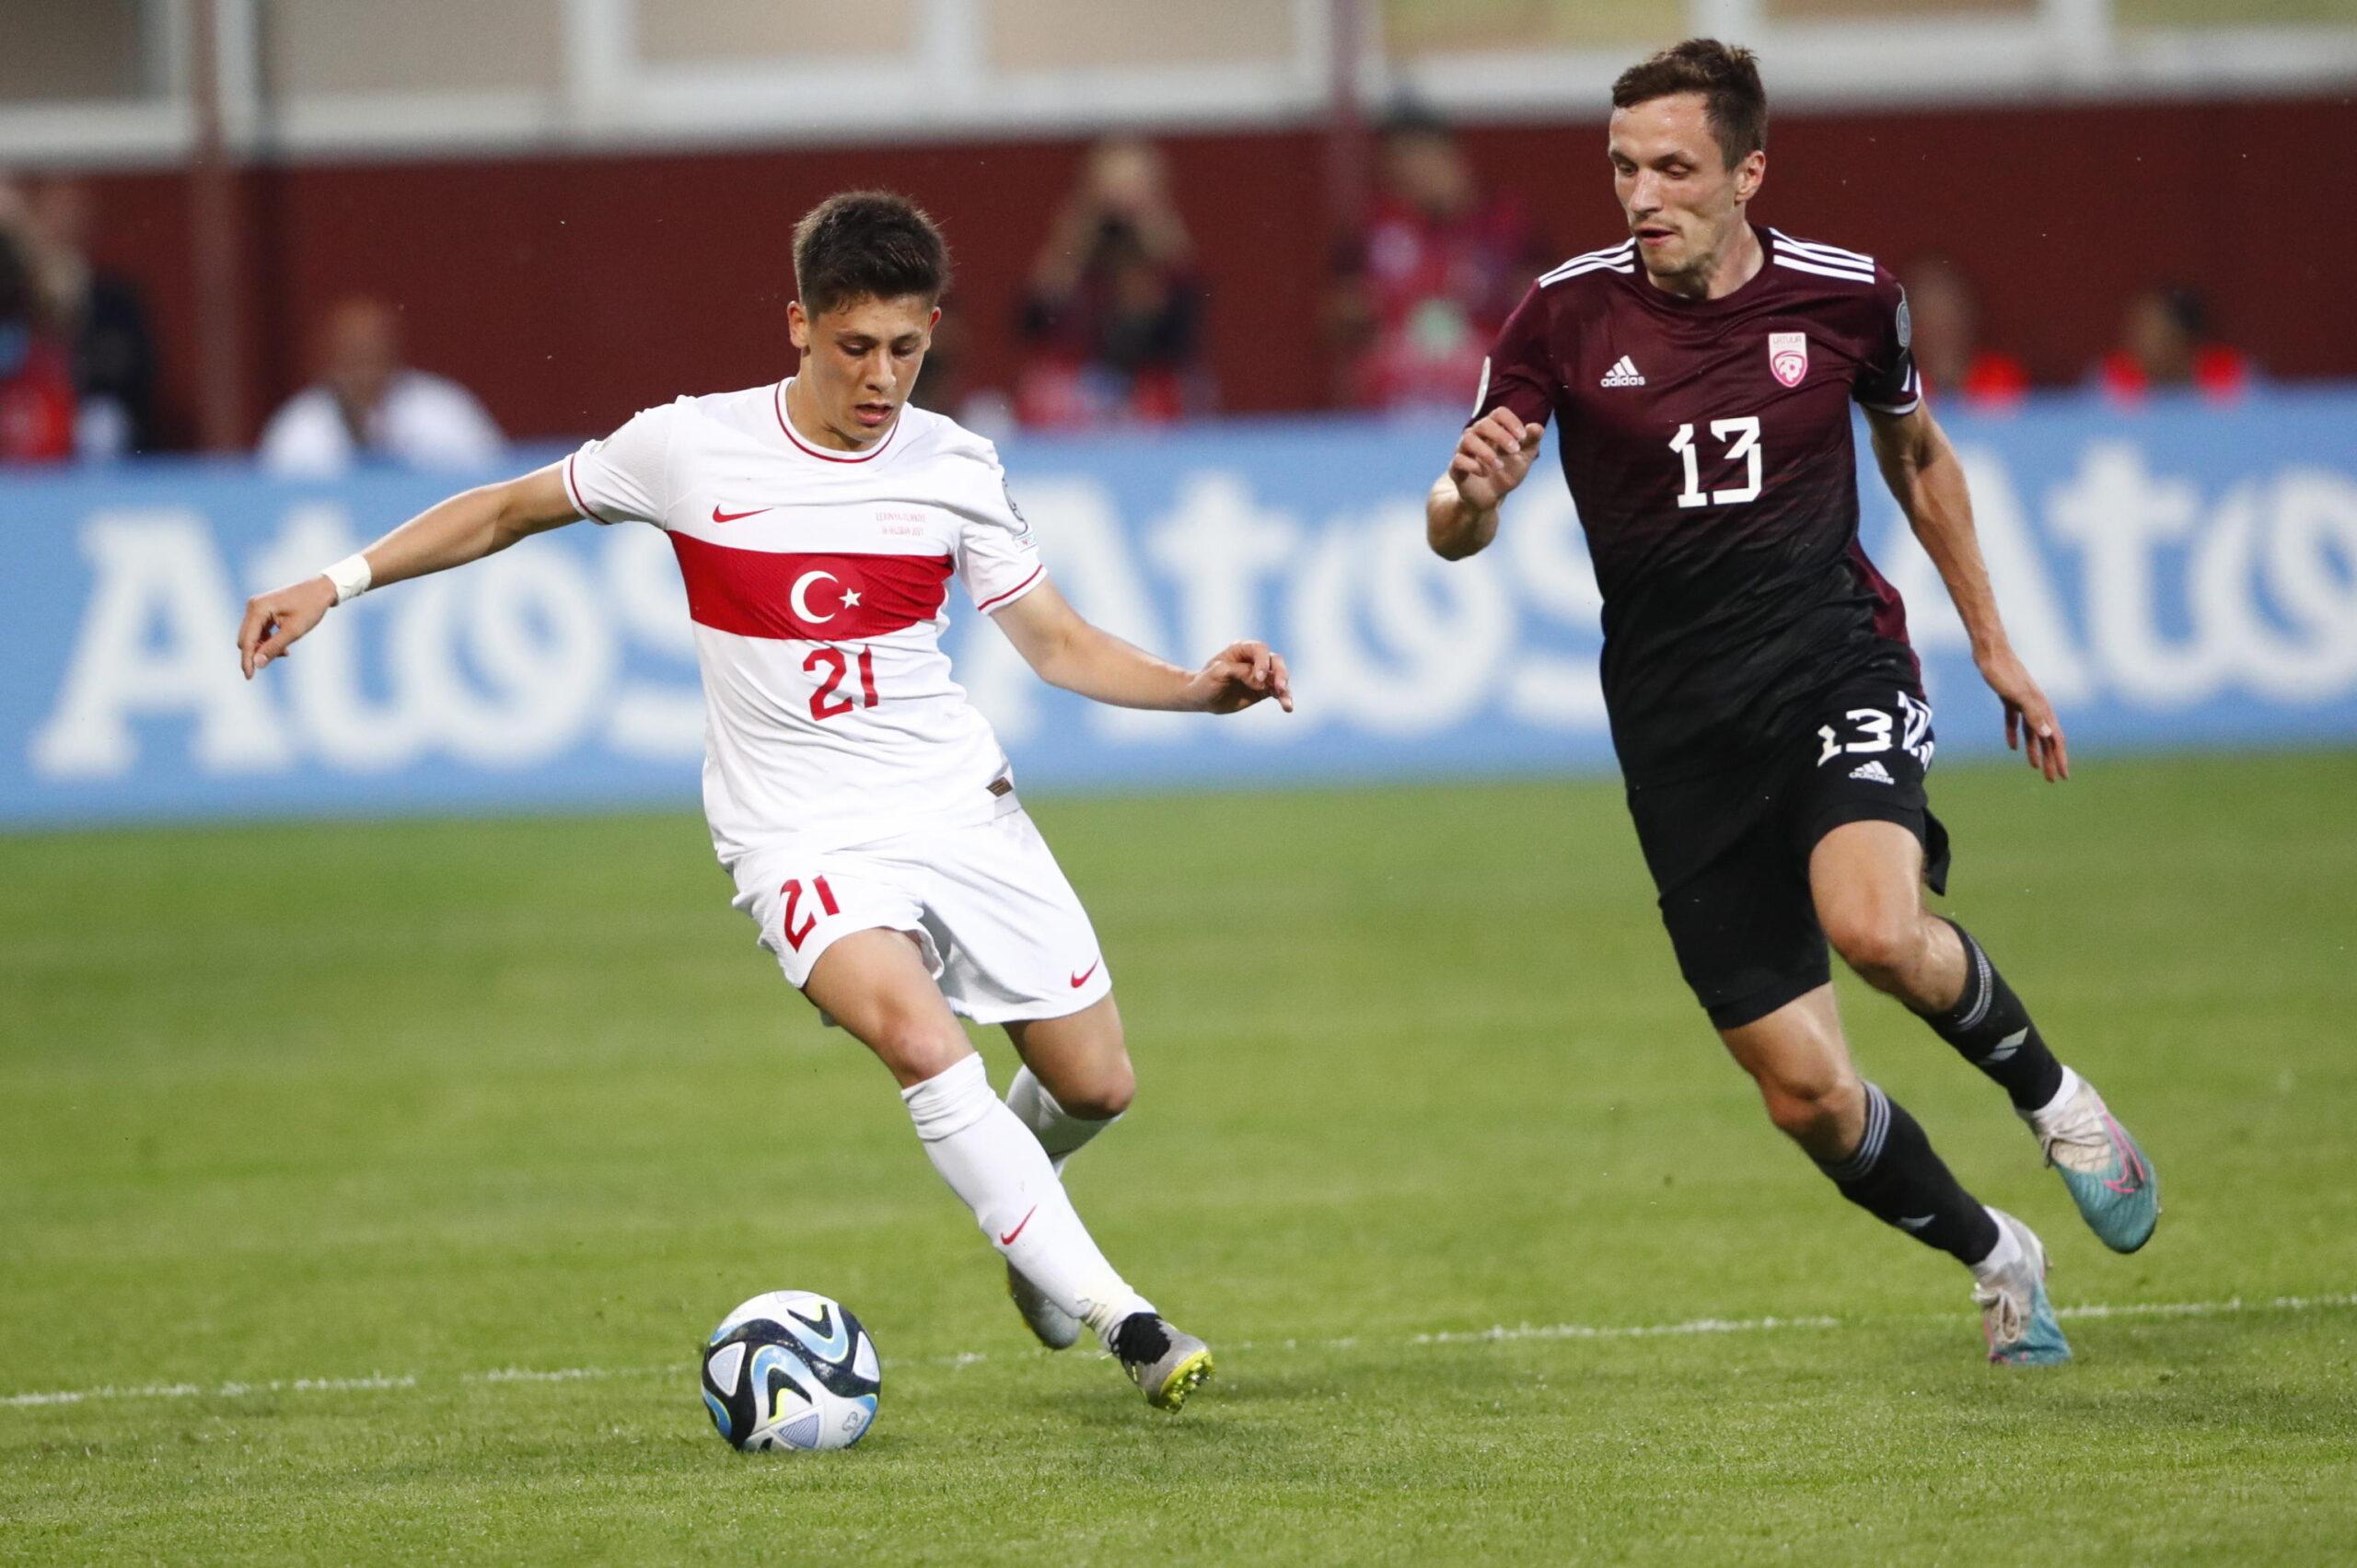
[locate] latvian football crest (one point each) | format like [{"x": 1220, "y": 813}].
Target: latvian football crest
[{"x": 1788, "y": 356}]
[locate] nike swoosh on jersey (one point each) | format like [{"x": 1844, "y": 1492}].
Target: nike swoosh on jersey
[{"x": 720, "y": 516}]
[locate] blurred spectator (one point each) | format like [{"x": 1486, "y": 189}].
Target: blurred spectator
[
  {"x": 1114, "y": 312},
  {"x": 35, "y": 375},
  {"x": 368, "y": 404},
  {"x": 1442, "y": 264},
  {"x": 946, "y": 386},
  {"x": 1945, "y": 313},
  {"x": 100, "y": 317},
  {"x": 2164, "y": 342}
]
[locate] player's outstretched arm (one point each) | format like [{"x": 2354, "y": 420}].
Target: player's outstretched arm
[
  {"x": 1067, "y": 651},
  {"x": 466, "y": 527},
  {"x": 1923, "y": 471},
  {"x": 1493, "y": 457}
]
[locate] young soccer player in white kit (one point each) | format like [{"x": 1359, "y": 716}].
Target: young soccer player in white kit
[{"x": 863, "y": 806}]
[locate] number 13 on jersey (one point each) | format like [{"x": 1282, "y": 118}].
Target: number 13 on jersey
[{"x": 1742, "y": 439}]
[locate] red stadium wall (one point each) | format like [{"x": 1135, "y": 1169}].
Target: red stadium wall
[{"x": 568, "y": 291}]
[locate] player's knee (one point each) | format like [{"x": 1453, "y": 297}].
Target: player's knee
[
  {"x": 916, "y": 1047},
  {"x": 1882, "y": 946},
  {"x": 1807, "y": 1109},
  {"x": 1094, "y": 1086},
  {"x": 1104, "y": 1093}
]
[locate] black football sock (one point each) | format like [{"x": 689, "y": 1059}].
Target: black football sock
[
  {"x": 1991, "y": 1029},
  {"x": 1896, "y": 1177}
]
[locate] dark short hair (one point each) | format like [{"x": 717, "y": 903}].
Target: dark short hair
[
  {"x": 864, "y": 244},
  {"x": 1735, "y": 104}
]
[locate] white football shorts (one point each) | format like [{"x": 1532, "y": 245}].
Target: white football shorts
[{"x": 1000, "y": 927}]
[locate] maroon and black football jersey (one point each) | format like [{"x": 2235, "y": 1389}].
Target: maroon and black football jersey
[{"x": 1707, "y": 445}]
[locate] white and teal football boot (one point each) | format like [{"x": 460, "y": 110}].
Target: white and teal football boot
[
  {"x": 2118, "y": 1192},
  {"x": 2015, "y": 1317}
]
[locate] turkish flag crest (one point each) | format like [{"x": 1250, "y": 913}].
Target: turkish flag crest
[{"x": 1788, "y": 356}]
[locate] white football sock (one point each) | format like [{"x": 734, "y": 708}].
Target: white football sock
[
  {"x": 2004, "y": 1256},
  {"x": 998, "y": 1166},
  {"x": 2069, "y": 1086},
  {"x": 1059, "y": 1131}
]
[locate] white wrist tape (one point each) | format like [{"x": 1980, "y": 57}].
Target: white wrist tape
[{"x": 350, "y": 576}]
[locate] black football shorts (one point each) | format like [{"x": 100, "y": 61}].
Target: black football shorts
[{"x": 1729, "y": 850}]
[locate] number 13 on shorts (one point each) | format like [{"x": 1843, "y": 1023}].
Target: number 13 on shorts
[{"x": 1871, "y": 729}]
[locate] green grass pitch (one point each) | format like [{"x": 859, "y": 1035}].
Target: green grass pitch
[{"x": 486, "y": 1123}]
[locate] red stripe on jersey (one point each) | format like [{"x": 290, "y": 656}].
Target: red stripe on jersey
[
  {"x": 812, "y": 599},
  {"x": 572, "y": 491},
  {"x": 1002, "y": 599}
]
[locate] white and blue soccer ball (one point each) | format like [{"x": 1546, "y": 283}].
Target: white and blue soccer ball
[{"x": 791, "y": 1369}]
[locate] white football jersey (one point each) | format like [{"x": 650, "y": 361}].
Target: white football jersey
[{"x": 819, "y": 583}]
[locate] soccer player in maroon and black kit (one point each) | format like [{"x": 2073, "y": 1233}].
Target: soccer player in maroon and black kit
[{"x": 1767, "y": 708}]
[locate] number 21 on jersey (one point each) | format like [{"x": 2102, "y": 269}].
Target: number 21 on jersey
[
  {"x": 824, "y": 704},
  {"x": 1742, "y": 439}
]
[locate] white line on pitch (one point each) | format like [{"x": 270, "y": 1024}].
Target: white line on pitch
[
  {"x": 1495, "y": 1335},
  {"x": 219, "y": 1390}
]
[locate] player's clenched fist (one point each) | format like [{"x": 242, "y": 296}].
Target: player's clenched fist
[
  {"x": 1493, "y": 457},
  {"x": 1240, "y": 675},
  {"x": 276, "y": 619}
]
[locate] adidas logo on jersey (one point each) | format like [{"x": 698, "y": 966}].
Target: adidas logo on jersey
[
  {"x": 1873, "y": 772},
  {"x": 1624, "y": 373}
]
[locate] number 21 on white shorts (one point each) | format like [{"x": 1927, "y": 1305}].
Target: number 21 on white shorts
[{"x": 998, "y": 925}]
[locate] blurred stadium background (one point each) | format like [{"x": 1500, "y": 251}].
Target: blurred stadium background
[
  {"x": 1180, "y": 230},
  {"x": 1226, "y": 269}
]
